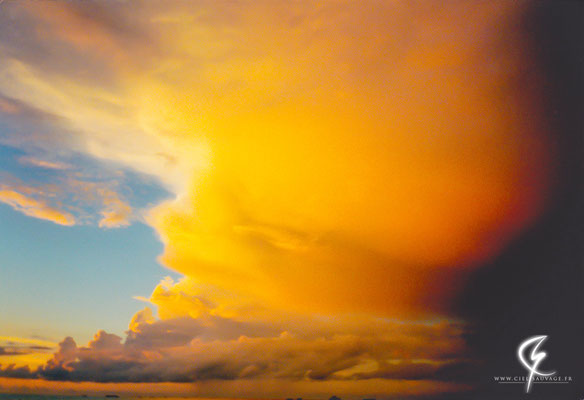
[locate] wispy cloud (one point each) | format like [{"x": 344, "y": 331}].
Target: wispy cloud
[
  {"x": 18, "y": 353},
  {"x": 69, "y": 201},
  {"x": 28, "y": 160},
  {"x": 35, "y": 208},
  {"x": 12, "y": 340}
]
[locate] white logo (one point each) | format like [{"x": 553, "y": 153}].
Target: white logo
[{"x": 535, "y": 357}]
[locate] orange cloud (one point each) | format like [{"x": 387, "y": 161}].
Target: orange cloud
[
  {"x": 35, "y": 208},
  {"x": 366, "y": 186},
  {"x": 308, "y": 354},
  {"x": 340, "y": 161},
  {"x": 325, "y": 160},
  {"x": 25, "y": 352},
  {"x": 115, "y": 214},
  {"x": 38, "y": 201}
]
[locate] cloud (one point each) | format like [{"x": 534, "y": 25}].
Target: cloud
[
  {"x": 116, "y": 213},
  {"x": 4, "y": 352},
  {"x": 370, "y": 187},
  {"x": 11, "y": 371},
  {"x": 20, "y": 350},
  {"x": 27, "y": 160},
  {"x": 69, "y": 201},
  {"x": 280, "y": 164},
  {"x": 101, "y": 198},
  {"x": 27, "y": 342},
  {"x": 186, "y": 349},
  {"x": 17, "y": 354},
  {"x": 336, "y": 171},
  {"x": 262, "y": 349},
  {"x": 35, "y": 208}
]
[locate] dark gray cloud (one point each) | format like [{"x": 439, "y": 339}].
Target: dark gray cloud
[
  {"x": 8, "y": 352},
  {"x": 11, "y": 371},
  {"x": 15, "y": 349},
  {"x": 213, "y": 348}
]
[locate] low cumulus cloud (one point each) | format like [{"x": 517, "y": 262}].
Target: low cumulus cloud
[
  {"x": 194, "y": 339},
  {"x": 216, "y": 348}
]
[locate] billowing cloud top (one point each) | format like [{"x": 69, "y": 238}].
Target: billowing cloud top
[{"x": 321, "y": 160}]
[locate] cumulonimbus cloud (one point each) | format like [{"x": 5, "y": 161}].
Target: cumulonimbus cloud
[
  {"x": 387, "y": 160},
  {"x": 215, "y": 348},
  {"x": 322, "y": 160}
]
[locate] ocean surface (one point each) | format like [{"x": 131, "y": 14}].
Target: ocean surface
[{"x": 12, "y": 396}]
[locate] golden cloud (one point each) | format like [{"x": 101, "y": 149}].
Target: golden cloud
[
  {"x": 325, "y": 159},
  {"x": 356, "y": 171},
  {"x": 35, "y": 208},
  {"x": 218, "y": 350}
]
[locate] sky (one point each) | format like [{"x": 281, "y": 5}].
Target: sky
[{"x": 257, "y": 198}]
